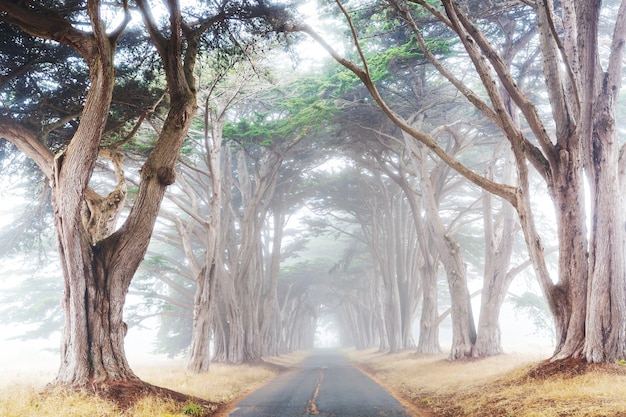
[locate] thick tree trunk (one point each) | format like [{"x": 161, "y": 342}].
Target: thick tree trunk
[
  {"x": 229, "y": 342},
  {"x": 569, "y": 298},
  {"x": 488, "y": 340},
  {"x": 389, "y": 241},
  {"x": 463, "y": 329},
  {"x": 250, "y": 317},
  {"x": 428, "y": 342},
  {"x": 256, "y": 191},
  {"x": 606, "y": 316},
  {"x": 97, "y": 277},
  {"x": 92, "y": 349}
]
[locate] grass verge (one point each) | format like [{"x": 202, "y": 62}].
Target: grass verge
[
  {"x": 508, "y": 385},
  {"x": 221, "y": 385}
]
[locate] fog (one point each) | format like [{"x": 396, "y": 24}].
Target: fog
[{"x": 36, "y": 361}]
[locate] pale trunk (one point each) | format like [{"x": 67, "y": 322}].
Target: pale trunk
[
  {"x": 199, "y": 356},
  {"x": 569, "y": 300},
  {"x": 270, "y": 327},
  {"x": 383, "y": 340},
  {"x": 428, "y": 342},
  {"x": 463, "y": 330},
  {"x": 229, "y": 343},
  {"x": 496, "y": 281},
  {"x": 606, "y": 310}
]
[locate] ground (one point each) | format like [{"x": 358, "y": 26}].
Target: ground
[
  {"x": 510, "y": 385},
  {"x": 126, "y": 394},
  {"x": 507, "y": 385}
]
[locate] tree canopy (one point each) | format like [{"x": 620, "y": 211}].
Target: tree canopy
[{"x": 423, "y": 156}]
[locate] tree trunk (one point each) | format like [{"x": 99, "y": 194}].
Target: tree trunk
[
  {"x": 229, "y": 334},
  {"x": 271, "y": 320},
  {"x": 92, "y": 347},
  {"x": 428, "y": 342},
  {"x": 498, "y": 251},
  {"x": 569, "y": 298},
  {"x": 199, "y": 357},
  {"x": 463, "y": 329},
  {"x": 605, "y": 325}
]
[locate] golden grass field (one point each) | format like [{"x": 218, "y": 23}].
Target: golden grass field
[
  {"x": 513, "y": 385},
  {"x": 222, "y": 385}
]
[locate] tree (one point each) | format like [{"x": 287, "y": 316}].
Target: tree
[
  {"x": 583, "y": 85},
  {"x": 98, "y": 261}
]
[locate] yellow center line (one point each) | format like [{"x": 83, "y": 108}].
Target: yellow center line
[{"x": 312, "y": 408}]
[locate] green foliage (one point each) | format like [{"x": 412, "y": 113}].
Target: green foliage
[
  {"x": 338, "y": 81},
  {"x": 193, "y": 409},
  {"x": 396, "y": 58},
  {"x": 290, "y": 118}
]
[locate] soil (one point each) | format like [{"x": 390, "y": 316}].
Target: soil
[
  {"x": 569, "y": 368},
  {"x": 124, "y": 394}
]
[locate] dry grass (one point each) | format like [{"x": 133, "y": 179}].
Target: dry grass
[
  {"x": 504, "y": 386},
  {"x": 507, "y": 385},
  {"x": 221, "y": 385}
]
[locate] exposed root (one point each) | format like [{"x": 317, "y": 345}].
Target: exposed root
[
  {"x": 125, "y": 394},
  {"x": 569, "y": 368}
]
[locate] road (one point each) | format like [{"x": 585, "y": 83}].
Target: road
[{"x": 325, "y": 384}]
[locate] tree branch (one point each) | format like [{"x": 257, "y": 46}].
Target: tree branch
[
  {"x": 504, "y": 191},
  {"x": 28, "y": 142}
]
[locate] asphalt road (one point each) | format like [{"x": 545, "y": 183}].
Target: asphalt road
[{"x": 325, "y": 384}]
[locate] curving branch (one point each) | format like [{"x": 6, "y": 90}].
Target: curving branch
[
  {"x": 480, "y": 52},
  {"x": 28, "y": 142},
  {"x": 505, "y": 191},
  {"x": 48, "y": 24}
]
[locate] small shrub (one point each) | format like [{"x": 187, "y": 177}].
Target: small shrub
[{"x": 193, "y": 410}]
